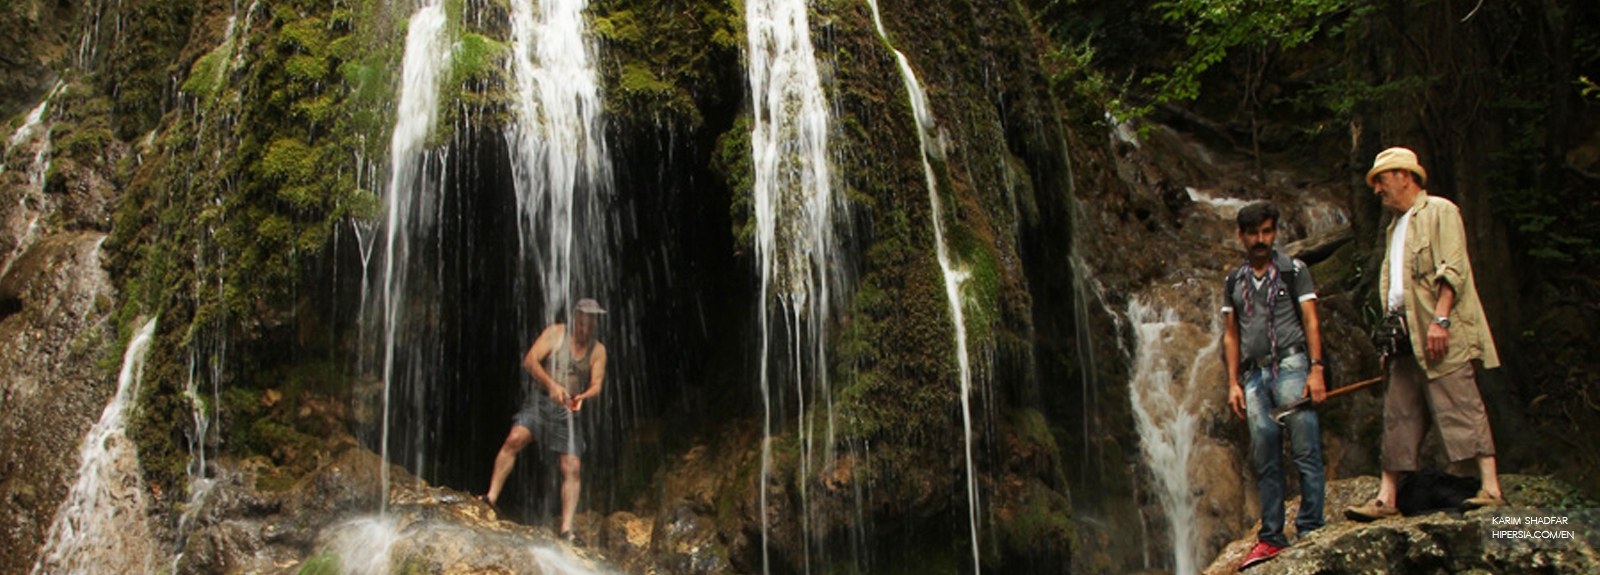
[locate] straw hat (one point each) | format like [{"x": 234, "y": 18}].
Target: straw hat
[
  {"x": 589, "y": 306},
  {"x": 1397, "y": 159}
]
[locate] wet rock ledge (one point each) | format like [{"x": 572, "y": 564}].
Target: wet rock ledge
[
  {"x": 1432, "y": 544},
  {"x": 330, "y": 522}
]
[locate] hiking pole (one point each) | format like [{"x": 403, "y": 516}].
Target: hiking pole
[{"x": 1281, "y": 413}]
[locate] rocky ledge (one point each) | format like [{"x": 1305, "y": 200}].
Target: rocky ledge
[
  {"x": 333, "y": 521},
  {"x": 1436, "y": 543}
]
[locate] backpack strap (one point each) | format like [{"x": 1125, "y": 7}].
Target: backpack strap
[
  {"x": 1288, "y": 269},
  {"x": 1228, "y": 285}
]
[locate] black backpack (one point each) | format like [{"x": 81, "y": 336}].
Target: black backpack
[{"x": 1430, "y": 491}]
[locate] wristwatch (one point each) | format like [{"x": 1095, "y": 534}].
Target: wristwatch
[{"x": 1443, "y": 322}]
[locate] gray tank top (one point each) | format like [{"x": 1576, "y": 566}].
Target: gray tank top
[{"x": 574, "y": 374}]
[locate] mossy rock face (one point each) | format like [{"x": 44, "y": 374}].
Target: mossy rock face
[
  {"x": 236, "y": 197},
  {"x": 666, "y": 63}
]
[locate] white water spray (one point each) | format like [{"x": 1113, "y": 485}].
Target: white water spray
[
  {"x": 425, "y": 62},
  {"x": 559, "y": 158},
  {"x": 794, "y": 212},
  {"x": 100, "y": 527},
  {"x": 1167, "y": 422},
  {"x": 927, "y": 131},
  {"x": 371, "y": 545}
]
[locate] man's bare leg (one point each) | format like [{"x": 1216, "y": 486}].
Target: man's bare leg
[
  {"x": 507, "y": 459},
  {"x": 570, "y": 471},
  {"x": 1489, "y": 476},
  {"x": 1389, "y": 487}
]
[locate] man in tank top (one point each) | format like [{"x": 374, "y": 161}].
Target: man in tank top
[
  {"x": 569, "y": 366},
  {"x": 1273, "y": 348}
]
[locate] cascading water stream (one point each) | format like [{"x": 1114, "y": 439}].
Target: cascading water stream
[
  {"x": 1167, "y": 422},
  {"x": 559, "y": 157},
  {"x": 426, "y": 57},
  {"x": 794, "y": 213},
  {"x": 33, "y": 126},
  {"x": 100, "y": 527},
  {"x": 953, "y": 276}
]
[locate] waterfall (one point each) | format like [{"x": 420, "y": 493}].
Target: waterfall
[
  {"x": 559, "y": 158},
  {"x": 794, "y": 212},
  {"x": 1167, "y": 377},
  {"x": 100, "y": 527},
  {"x": 31, "y": 122},
  {"x": 426, "y": 57},
  {"x": 927, "y": 130},
  {"x": 33, "y": 125}
]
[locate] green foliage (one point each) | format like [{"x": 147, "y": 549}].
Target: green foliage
[
  {"x": 1550, "y": 222},
  {"x": 1073, "y": 70},
  {"x": 1215, "y": 27},
  {"x": 1589, "y": 89},
  {"x": 1341, "y": 97}
]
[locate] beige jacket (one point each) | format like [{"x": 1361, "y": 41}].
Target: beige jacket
[{"x": 1436, "y": 249}]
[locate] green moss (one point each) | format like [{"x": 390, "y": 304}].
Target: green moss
[
  {"x": 637, "y": 78},
  {"x": 205, "y": 73},
  {"x": 1042, "y": 526},
  {"x": 307, "y": 35},
  {"x": 665, "y": 57},
  {"x": 250, "y": 216},
  {"x": 475, "y": 58},
  {"x": 732, "y": 161},
  {"x": 324, "y": 564}
]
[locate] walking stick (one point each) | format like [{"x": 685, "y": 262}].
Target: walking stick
[{"x": 1282, "y": 413}]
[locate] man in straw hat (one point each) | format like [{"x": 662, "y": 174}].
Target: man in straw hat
[
  {"x": 576, "y": 370},
  {"x": 1427, "y": 287}
]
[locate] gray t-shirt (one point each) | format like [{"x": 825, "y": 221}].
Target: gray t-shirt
[{"x": 1248, "y": 303}]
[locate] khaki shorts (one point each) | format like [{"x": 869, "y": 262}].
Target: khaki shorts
[{"x": 1455, "y": 404}]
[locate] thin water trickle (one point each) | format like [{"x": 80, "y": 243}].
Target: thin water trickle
[
  {"x": 954, "y": 276},
  {"x": 795, "y": 237},
  {"x": 100, "y": 526},
  {"x": 31, "y": 122},
  {"x": 426, "y": 56}
]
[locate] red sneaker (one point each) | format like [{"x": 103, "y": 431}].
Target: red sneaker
[{"x": 1259, "y": 554}]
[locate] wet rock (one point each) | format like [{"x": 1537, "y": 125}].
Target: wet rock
[
  {"x": 1426, "y": 544},
  {"x": 625, "y": 535},
  {"x": 55, "y": 299},
  {"x": 333, "y": 518},
  {"x": 688, "y": 544}
]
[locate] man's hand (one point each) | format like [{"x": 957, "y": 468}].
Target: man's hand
[
  {"x": 1315, "y": 388},
  {"x": 576, "y": 402},
  {"x": 1438, "y": 341},
  {"x": 560, "y": 395},
  {"x": 1236, "y": 399}
]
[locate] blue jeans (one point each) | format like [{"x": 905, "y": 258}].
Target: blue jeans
[{"x": 1261, "y": 394}]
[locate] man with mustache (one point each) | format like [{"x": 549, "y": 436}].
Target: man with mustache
[
  {"x": 1273, "y": 348},
  {"x": 1426, "y": 282}
]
